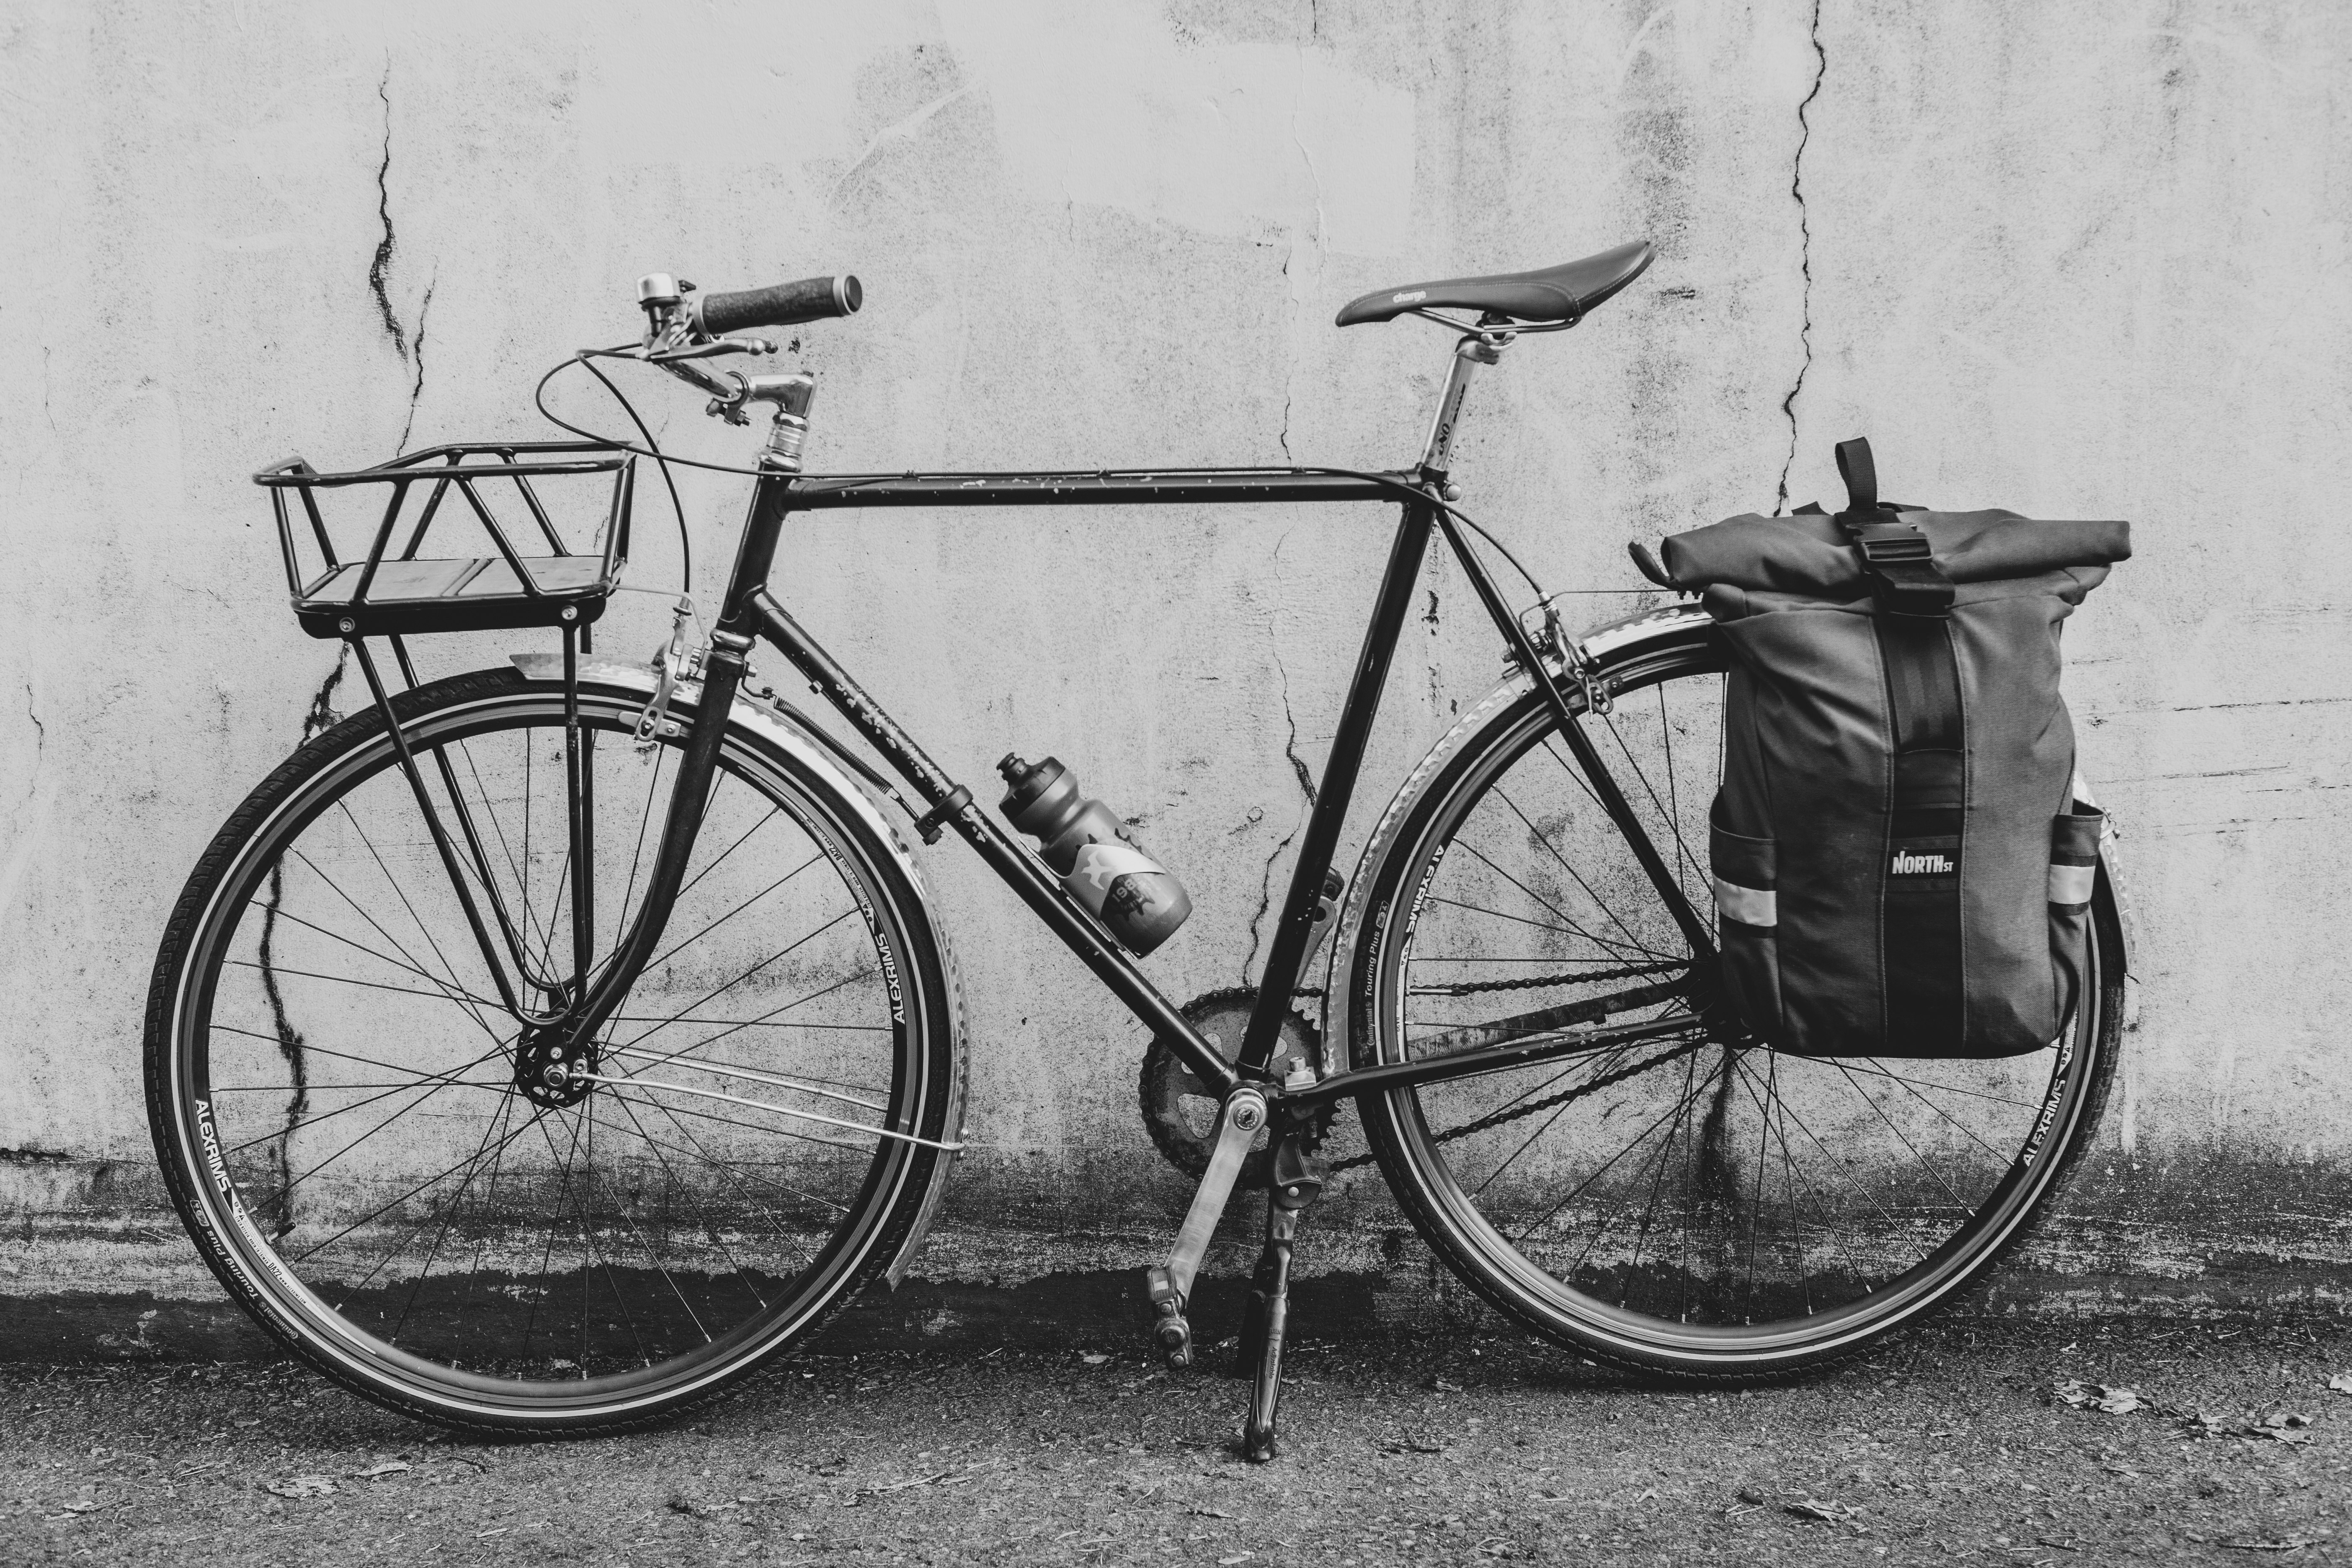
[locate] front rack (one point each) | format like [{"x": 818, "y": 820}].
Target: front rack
[{"x": 391, "y": 594}]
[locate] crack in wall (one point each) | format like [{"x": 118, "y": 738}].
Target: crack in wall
[
  {"x": 416, "y": 382},
  {"x": 1804, "y": 254},
  {"x": 379, "y": 269},
  {"x": 1314, "y": 176},
  {"x": 291, "y": 1042},
  {"x": 40, "y": 745},
  {"x": 1298, "y": 767},
  {"x": 1438, "y": 701},
  {"x": 1307, "y": 788},
  {"x": 1283, "y": 436}
]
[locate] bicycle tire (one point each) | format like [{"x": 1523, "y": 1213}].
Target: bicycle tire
[
  {"x": 883, "y": 1189},
  {"x": 1675, "y": 1314}
]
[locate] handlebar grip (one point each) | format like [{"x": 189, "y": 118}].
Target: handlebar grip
[{"x": 779, "y": 305}]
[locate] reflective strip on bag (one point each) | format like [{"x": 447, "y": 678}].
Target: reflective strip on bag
[
  {"x": 1749, "y": 906},
  {"x": 2072, "y": 884}
]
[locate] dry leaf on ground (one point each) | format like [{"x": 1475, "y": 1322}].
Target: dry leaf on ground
[
  {"x": 302, "y": 1485},
  {"x": 2097, "y": 1396},
  {"x": 1832, "y": 1512}
]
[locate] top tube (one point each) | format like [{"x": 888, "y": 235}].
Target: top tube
[{"x": 1091, "y": 487}]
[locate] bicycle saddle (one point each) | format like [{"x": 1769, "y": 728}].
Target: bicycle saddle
[{"x": 1564, "y": 294}]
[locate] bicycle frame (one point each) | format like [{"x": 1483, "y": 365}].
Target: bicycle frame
[{"x": 749, "y": 612}]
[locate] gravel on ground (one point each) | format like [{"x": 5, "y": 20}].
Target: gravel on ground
[{"x": 2031, "y": 1441}]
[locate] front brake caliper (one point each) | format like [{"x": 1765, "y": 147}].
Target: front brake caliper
[{"x": 675, "y": 663}]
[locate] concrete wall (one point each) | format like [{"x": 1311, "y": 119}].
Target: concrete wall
[{"x": 2081, "y": 261}]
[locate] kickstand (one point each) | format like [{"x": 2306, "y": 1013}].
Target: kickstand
[{"x": 1298, "y": 1182}]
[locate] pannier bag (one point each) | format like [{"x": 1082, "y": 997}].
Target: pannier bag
[{"x": 1900, "y": 867}]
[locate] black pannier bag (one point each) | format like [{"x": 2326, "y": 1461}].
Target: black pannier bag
[{"x": 1901, "y": 868}]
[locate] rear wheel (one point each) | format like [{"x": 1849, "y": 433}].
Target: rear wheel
[
  {"x": 1697, "y": 1203},
  {"x": 372, "y": 1157}
]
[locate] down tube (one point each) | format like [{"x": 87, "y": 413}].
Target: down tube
[
  {"x": 1023, "y": 872},
  {"x": 1292, "y": 937}
]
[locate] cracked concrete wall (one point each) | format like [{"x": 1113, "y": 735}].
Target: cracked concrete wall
[{"x": 2075, "y": 260}]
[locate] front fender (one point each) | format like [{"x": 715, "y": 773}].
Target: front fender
[{"x": 640, "y": 681}]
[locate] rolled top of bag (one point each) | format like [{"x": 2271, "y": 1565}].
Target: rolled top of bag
[{"x": 1809, "y": 552}]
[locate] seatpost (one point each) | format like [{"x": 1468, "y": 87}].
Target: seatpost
[{"x": 1475, "y": 350}]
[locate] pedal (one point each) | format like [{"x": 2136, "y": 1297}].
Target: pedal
[{"x": 1170, "y": 1329}]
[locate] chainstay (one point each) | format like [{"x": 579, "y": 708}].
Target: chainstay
[{"x": 1515, "y": 1113}]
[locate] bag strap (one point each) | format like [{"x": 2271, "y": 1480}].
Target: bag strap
[
  {"x": 1896, "y": 556},
  {"x": 1920, "y": 925}
]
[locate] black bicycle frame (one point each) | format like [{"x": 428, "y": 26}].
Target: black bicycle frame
[{"x": 749, "y": 612}]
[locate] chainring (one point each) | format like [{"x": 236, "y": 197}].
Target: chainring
[{"x": 1179, "y": 1112}]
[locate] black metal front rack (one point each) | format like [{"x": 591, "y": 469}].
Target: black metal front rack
[{"x": 389, "y": 593}]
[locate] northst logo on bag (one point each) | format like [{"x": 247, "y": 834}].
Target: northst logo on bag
[{"x": 1916, "y": 863}]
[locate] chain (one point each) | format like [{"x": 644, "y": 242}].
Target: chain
[
  {"x": 1514, "y": 1113},
  {"x": 1471, "y": 987}
]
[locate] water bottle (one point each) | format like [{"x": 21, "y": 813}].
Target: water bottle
[{"x": 1095, "y": 856}]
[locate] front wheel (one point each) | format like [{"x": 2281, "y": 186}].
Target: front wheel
[
  {"x": 1695, "y": 1203},
  {"x": 379, "y": 1162}
]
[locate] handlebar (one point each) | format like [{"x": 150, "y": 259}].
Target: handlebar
[{"x": 778, "y": 305}]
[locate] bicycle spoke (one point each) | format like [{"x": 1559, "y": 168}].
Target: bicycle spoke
[
  {"x": 1577, "y": 877},
  {"x": 454, "y": 992},
  {"x": 441, "y": 1233},
  {"x": 1673, "y": 825},
  {"x": 1550, "y": 907},
  {"x": 708, "y": 1231},
  {"x": 748, "y": 1075},
  {"x": 402, "y": 894},
  {"x": 720, "y": 990},
  {"x": 734, "y": 1171},
  {"x": 385, "y": 1208},
  {"x": 437, "y": 1088},
  {"x": 719, "y": 1178},
  {"x": 653, "y": 1252},
  {"x": 446, "y": 1081},
  {"x": 1909, "y": 1147}
]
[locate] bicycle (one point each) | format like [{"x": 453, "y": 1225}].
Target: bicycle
[{"x": 512, "y": 1092}]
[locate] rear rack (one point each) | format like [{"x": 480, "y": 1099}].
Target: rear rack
[{"x": 389, "y": 593}]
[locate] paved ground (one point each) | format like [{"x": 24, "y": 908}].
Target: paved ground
[{"x": 1955, "y": 1444}]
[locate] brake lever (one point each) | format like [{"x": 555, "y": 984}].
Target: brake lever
[{"x": 712, "y": 350}]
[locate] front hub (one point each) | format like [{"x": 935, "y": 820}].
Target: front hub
[{"x": 552, "y": 1070}]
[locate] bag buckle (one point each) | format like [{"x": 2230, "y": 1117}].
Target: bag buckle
[
  {"x": 1883, "y": 542},
  {"x": 1896, "y": 557}
]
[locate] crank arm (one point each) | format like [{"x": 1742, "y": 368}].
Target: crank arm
[{"x": 1170, "y": 1286}]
